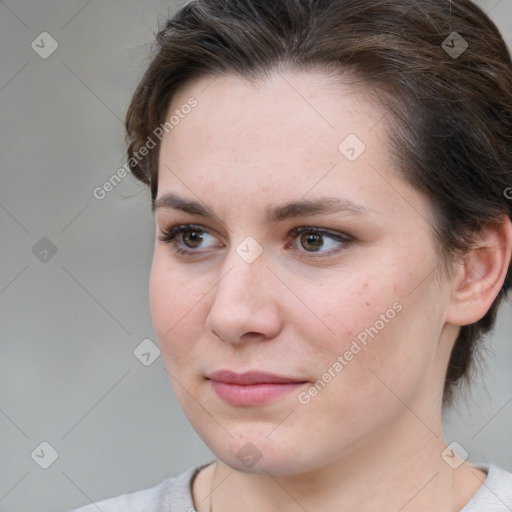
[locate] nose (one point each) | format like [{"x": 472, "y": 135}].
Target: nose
[{"x": 245, "y": 302}]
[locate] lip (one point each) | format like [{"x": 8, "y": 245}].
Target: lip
[
  {"x": 251, "y": 377},
  {"x": 252, "y": 387}
]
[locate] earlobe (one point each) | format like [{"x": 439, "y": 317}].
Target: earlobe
[{"x": 482, "y": 273}]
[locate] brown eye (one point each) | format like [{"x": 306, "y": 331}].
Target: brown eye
[
  {"x": 192, "y": 239},
  {"x": 319, "y": 241},
  {"x": 188, "y": 239},
  {"x": 311, "y": 241}
]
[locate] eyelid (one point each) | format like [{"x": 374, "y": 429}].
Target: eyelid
[
  {"x": 336, "y": 235},
  {"x": 341, "y": 238},
  {"x": 168, "y": 235}
]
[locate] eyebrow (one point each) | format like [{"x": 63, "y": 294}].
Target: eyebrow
[{"x": 273, "y": 214}]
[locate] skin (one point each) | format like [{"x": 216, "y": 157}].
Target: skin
[{"x": 372, "y": 438}]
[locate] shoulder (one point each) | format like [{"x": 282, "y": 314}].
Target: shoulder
[
  {"x": 495, "y": 495},
  {"x": 173, "y": 494}
]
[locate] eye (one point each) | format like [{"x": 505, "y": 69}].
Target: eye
[
  {"x": 187, "y": 238},
  {"x": 190, "y": 239},
  {"x": 317, "y": 240}
]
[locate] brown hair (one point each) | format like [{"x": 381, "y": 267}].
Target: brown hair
[{"x": 451, "y": 114}]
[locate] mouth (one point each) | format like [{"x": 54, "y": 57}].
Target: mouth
[{"x": 253, "y": 387}]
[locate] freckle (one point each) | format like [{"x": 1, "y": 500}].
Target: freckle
[{"x": 365, "y": 285}]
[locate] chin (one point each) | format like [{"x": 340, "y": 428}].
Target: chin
[
  {"x": 274, "y": 466},
  {"x": 255, "y": 454}
]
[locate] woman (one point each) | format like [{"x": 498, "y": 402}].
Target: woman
[{"x": 330, "y": 183}]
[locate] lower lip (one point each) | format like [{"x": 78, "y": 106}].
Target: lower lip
[{"x": 253, "y": 394}]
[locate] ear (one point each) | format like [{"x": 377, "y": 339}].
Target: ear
[{"x": 479, "y": 278}]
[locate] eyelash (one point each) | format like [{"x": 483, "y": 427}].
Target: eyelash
[{"x": 169, "y": 237}]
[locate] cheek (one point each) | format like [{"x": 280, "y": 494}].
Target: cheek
[
  {"x": 176, "y": 307},
  {"x": 352, "y": 306},
  {"x": 378, "y": 331}
]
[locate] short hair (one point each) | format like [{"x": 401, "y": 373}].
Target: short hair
[{"x": 441, "y": 68}]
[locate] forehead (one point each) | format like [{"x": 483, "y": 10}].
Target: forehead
[
  {"x": 291, "y": 135},
  {"x": 311, "y": 101},
  {"x": 286, "y": 116}
]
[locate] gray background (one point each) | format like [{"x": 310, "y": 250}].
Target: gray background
[{"x": 70, "y": 323}]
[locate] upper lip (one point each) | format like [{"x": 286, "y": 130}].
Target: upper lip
[{"x": 250, "y": 377}]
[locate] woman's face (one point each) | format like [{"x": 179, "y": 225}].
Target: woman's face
[{"x": 308, "y": 258}]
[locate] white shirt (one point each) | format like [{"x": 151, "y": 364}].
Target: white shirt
[{"x": 174, "y": 495}]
